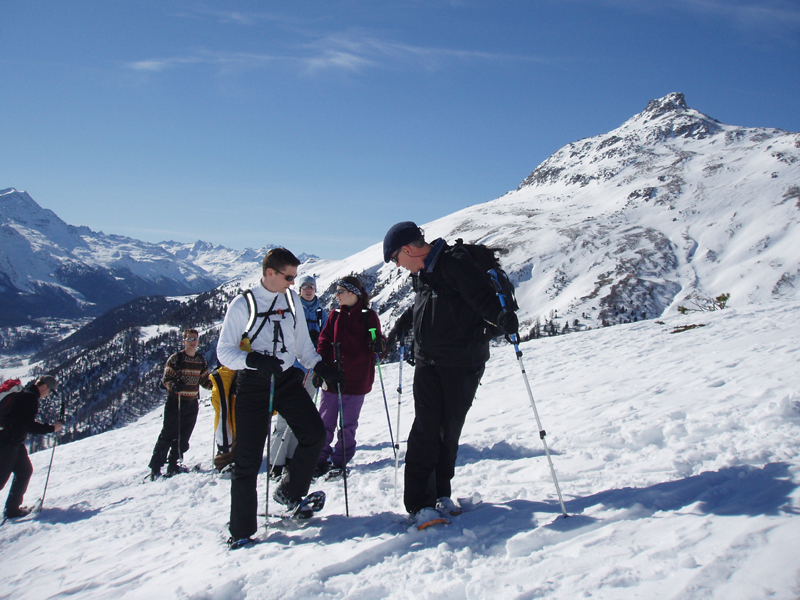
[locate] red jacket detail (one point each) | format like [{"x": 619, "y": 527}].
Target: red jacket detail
[{"x": 348, "y": 326}]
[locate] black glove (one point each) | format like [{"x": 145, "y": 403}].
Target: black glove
[
  {"x": 377, "y": 346},
  {"x": 316, "y": 380},
  {"x": 266, "y": 365},
  {"x": 333, "y": 376},
  {"x": 391, "y": 339},
  {"x": 402, "y": 325},
  {"x": 177, "y": 386},
  {"x": 507, "y": 321}
]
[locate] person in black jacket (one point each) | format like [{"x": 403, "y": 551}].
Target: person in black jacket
[
  {"x": 453, "y": 304},
  {"x": 18, "y": 420}
]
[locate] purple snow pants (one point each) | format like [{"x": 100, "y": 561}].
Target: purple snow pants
[{"x": 329, "y": 411}]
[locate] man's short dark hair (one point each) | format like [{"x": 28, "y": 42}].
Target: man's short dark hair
[
  {"x": 277, "y": 259},
  {"x": 48, "y": 380},
  {"x": 188, "y": 332}
]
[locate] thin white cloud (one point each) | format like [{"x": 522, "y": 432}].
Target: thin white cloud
[
  {"x": 355, "y": 52},
  {"x": 220, "y": 60},
  {"x": 341, "y": 52}
]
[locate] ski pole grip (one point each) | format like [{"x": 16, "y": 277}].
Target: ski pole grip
[{"x": 372, "y": 332}]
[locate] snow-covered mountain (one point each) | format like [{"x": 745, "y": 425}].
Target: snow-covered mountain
[
  {"x": 51, "y": 269},
  {"x": 220, "y": 262},
  {"x": 675, "y": 449},
  {"x": 626, "y": 225}
]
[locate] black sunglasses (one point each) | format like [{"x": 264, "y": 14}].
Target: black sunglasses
[{"x": 289, "y": 278}]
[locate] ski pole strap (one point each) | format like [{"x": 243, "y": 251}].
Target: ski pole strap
[{"x": 504, "y": 304}]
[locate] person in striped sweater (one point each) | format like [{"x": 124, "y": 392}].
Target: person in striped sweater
[{"x": 184, "y": 373}]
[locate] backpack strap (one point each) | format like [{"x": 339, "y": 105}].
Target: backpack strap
[
  {"x": 252, "y": 307},
  {"x": 290, "y": 304}
]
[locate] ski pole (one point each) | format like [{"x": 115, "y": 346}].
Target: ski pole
[
  {"x": 52, "y": 454},
  {"x": 399, "y": 397},
  {"x": 338, "y": 354},
  {"x": 180, "y": 450},
  {"x": 269, "y": 416},
  {"x": 383, "y": 389},
  {"x": 542, "y": 432}
]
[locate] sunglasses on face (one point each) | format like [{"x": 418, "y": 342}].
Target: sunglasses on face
[
  {"x": 340, "y": 291},
  {"x": 289, "y": 278},
  {"x": 191, "y": 339},
  {"x": 396, "y": 257}
]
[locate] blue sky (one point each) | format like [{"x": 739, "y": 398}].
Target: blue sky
[{"x": 319, "y": 124}]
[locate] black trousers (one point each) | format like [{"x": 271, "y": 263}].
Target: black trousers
[
  {"x": 442, "y": 398},
  {"x": 293, "y": 403},
  {"x": 14, "y": 459},
  {"x": 177, "y": 425}
]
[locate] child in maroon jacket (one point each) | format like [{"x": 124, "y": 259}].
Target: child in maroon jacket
[{"x": 349, "y": 326}]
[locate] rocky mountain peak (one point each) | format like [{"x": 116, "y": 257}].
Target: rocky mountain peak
[{"x": 670, "y": 103}]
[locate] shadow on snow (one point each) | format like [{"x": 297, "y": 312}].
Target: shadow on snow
[{"x": 512, "y": 528}]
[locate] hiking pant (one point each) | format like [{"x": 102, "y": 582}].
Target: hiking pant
[
  {"x": 175, "y": 426},
  {"x": 442, "y": 398},
  {"x": 329, "y": 411},
  {"x": 293, "y": 403},
  {"x": 284, "y": 442},
  {"x": 14, "y": 459}
]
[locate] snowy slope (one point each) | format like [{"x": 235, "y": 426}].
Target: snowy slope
[
  {"x": 676, "y": 452},
  {"x": 628, "y": 224}
]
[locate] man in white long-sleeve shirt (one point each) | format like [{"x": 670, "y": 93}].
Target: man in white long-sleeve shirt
[{"x": 262, "y": 355}]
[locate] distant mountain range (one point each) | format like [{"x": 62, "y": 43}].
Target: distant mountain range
[{"x": 49, "y": 269}]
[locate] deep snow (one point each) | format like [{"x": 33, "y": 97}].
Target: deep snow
[{"x": 677, "y": 454}]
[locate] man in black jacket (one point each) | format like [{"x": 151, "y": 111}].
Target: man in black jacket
[
  {"x": 18, "y": 420},
  {"x": 454, "y": 302}
]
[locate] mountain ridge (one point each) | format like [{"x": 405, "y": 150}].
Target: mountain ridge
[{"x": 49, "y": 268}]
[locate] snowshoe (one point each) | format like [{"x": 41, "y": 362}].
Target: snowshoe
[
  {"x": 173, "y": 470},
  {"x": 427, "y": 517},
  {"x": 235, "y": 544},
  {"x": 336, "y": 473},
  {"x": 313, "y": 503}
]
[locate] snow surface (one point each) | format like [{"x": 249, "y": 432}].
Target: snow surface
[{"x": 677, "y": 454}]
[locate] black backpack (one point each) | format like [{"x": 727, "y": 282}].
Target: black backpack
[
  {"x": 486, "y": 258},
  {"x": 8, "y": 391}
]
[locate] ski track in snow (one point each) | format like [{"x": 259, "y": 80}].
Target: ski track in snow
[{"x": 677, "y": 455}]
